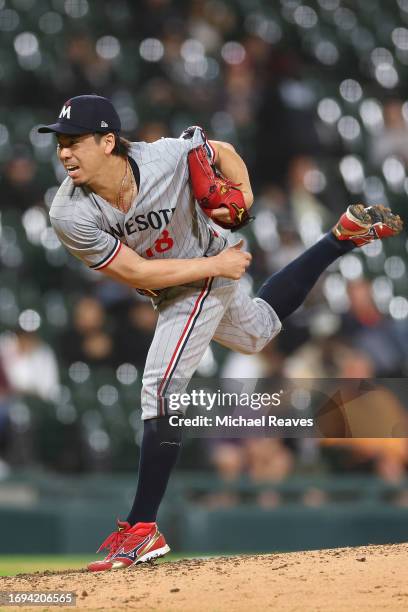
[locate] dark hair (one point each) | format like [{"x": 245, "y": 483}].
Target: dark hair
[{"x": 122, "y": 145}]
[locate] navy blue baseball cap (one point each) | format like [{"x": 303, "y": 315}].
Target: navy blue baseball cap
[{"x": 85, "y": 115}]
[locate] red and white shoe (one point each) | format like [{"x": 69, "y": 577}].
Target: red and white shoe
[
  {"x": 363, "y": 225},
  {"x": 113, "y": 543},
  {"x": 130, "y": 546}
]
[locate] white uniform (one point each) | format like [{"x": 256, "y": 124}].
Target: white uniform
[{"x": 164, "y": 222}]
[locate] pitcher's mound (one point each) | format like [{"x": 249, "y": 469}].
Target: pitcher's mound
[{"x": 364, "y": 578}]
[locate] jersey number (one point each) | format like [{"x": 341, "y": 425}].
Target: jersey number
[{"x": 164, "y": 243}]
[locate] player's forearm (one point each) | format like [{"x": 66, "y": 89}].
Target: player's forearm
[
  {"x": 129, "y": 268},
  {"x": 170, "y": 272},
  {"x": 162, "y": 273},
  {"x": 233, "y": 167}
]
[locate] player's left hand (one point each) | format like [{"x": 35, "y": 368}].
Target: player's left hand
[
  {"x": 222, "y": 214},
  {"x": 218, "y": 197}
]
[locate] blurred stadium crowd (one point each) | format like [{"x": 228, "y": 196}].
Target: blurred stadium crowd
[{"x": 313, "y": 96}]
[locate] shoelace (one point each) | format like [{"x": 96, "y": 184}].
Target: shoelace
[{"x": 113, "y": 540}]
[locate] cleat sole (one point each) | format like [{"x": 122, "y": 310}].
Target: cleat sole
[
  {"x": 154, "y": 554},
  {"x": 358, "y": 214},
  {"x": 382, "y": 214}
]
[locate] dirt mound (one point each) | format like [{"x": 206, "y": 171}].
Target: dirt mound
[{"x": 366, "y": 578}]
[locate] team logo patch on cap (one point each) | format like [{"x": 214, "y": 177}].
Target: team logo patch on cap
[
  {"x": 104, "y": 124},
  {"x": 65, "y": 111}
]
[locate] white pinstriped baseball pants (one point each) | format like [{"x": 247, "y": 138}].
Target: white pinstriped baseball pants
[{"x": 187, "y": 324}]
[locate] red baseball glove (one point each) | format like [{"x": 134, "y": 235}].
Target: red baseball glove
[{"x": 212, "y": 191}]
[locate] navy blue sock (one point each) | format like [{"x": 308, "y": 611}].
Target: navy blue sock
[
  {"x": 160, "y": 449},
  {"x": 287, "y": 289}
]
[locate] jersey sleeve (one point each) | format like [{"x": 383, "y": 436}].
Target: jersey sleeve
[
  {"x": 194, "y": 136},
  {"x": 87, "y": 242}
]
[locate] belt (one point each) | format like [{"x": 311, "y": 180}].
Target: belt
[{"x": 149, "y": 292}]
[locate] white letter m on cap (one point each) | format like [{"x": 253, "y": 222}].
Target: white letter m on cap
[{"x": 66, "y": 112}]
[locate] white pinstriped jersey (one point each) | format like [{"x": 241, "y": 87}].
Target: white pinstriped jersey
[{"x": 163, "y": 221}]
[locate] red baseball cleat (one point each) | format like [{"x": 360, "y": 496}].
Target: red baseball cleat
[
  {"x": 130, "y": 546},
  {"x": 363, "y": 225},
  {"x": 113, "y": 543}
]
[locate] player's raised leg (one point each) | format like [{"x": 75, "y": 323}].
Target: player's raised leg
[
  {"x": 249, "y": 324},
  {"x": 287, "y": 289}
]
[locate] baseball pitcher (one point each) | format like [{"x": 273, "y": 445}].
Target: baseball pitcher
[{"x": 138, "y": 213}]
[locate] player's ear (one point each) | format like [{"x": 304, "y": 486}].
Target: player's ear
[{"x": 109, "y": 143}]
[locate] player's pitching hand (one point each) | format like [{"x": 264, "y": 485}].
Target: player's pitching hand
[{"x": 232, "y": 262}]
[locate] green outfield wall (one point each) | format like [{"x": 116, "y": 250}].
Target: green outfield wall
[{"x": 72, "y": 515}]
